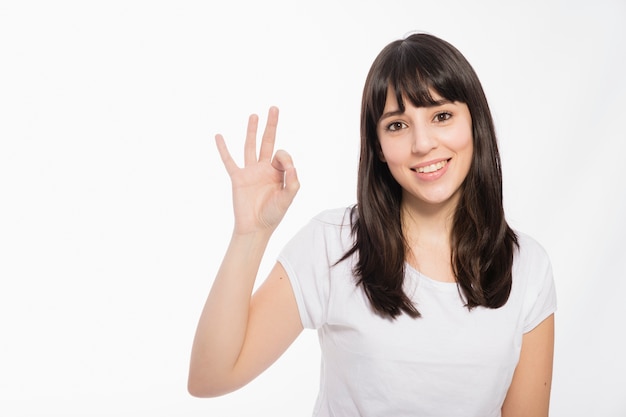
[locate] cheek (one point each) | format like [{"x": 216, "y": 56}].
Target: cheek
[
  {"x": 466, "y": 150},
  {"x": 467, "y": 147},
  {"x": 462, "y": 144},
  {"x": 462, "y": 139},
  {"x": 393, "y": 151}
]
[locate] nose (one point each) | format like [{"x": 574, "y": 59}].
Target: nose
[{"x": 424, "y": 139}]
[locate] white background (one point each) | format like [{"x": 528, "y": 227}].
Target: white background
[{"x": 115, "y": 209}]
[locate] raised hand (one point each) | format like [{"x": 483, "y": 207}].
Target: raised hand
[{"x": 265, "y": 186}]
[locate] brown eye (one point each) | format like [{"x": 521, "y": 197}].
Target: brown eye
[
  {"x": 443, "y": 116},
  {"x": 395, "y": 126}
]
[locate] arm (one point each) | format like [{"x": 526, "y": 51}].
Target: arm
[
  {"x": 529, "y": 393},
  {"x": 239, "y": 336}
]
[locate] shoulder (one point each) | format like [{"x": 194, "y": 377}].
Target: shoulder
[
  {"x": 533, "y": 281},
  {"x": 329, "y": 230},
  {"x": 335, "y": 217},
  {"x": 310, "y": 260},
  {"x": 334, "y": 227},
  {"x": 530, "y": 251}
]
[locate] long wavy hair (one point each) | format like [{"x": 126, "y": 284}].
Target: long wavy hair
[{"x": 482, "y": 242}]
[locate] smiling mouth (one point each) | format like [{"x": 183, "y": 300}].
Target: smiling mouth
[{"x": 431, "y": 168}]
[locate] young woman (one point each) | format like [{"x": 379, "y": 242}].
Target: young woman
[{"x": 426, "y": 302}]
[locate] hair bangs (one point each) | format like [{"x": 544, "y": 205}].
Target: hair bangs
[{"x": 409, "y": 83}]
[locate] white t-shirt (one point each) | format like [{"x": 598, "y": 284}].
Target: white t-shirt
[{"x": 451, "y": 362}]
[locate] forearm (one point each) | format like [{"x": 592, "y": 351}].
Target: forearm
[{"x": 222, "y": 327}]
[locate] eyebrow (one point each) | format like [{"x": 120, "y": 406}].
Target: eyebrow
[{"x": 435, "y": 103}]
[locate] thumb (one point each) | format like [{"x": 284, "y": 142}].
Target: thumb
[{"x": 282, "y": 161}]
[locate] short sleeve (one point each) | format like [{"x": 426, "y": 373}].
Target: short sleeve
[
  {"x": 540, "y": 297},
  {"x": 308, "y": 259}
]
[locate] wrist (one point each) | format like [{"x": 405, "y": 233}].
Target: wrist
[{"x": 252, "y": 244}]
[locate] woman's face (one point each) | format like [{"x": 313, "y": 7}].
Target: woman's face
[{"x": 427, "y": 149}]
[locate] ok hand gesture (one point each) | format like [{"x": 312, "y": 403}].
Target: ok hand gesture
[{"x": 265, "y": 186}]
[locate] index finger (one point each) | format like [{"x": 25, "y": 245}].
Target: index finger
[
  {"x": 227, "y": 159},
  {"x": 269, "y": 135}
]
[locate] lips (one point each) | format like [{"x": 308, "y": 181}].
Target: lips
[{"x": 431, "y": 167}]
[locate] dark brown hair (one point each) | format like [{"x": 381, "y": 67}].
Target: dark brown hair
[{"x": 482, "y": 242}]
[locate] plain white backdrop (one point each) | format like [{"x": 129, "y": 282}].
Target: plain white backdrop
[{"x": 115, "y": 209}]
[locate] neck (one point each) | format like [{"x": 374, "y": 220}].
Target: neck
[{"x": 428, "y": 224}]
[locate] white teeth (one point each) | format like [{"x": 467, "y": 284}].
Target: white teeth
[{"x": 432, "y": 168}]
